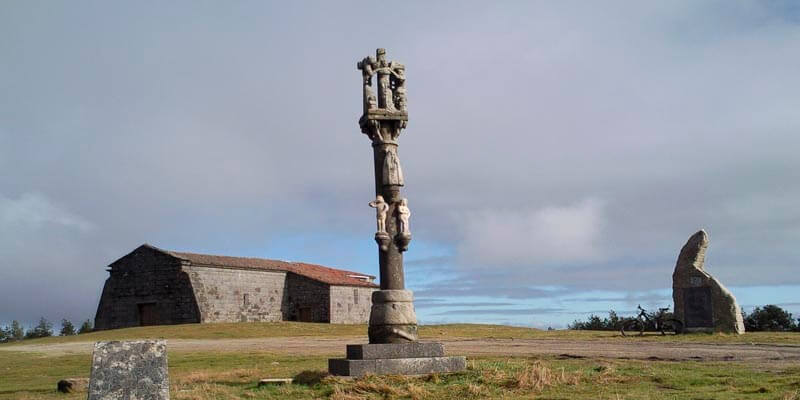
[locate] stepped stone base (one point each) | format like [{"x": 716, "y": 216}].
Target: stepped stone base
[
  {"x": 396, "y": 366},
  {"x": 394, "y": 350},
  {"x": 395, "y": 359}
]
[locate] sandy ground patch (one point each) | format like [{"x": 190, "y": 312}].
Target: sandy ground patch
[{"x": 633, "y": 349}]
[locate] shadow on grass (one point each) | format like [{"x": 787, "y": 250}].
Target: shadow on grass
[{"x": 309, "y": 377}]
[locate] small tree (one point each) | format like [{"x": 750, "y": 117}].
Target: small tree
[
  {"x": 5, "y": 334},
  {"x": 614, "y": 322},
  {"x": 86, "y": 327},
  {"x": 67, "y": 329},
  {"x": 769, "y": 318},
  {"x": 43, "y": 329},
  {"x": 16, "y": 332}
]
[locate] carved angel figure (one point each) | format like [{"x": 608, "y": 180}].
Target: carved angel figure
[
  {"x": 382, "y": 210},
  {"x": 403, "y": 214}
]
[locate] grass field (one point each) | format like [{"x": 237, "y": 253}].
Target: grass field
[
  {"x": 227, "y": 375},
  {"x": 280, "y": 329}
]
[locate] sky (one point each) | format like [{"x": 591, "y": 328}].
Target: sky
[{"x": 557, "y": 156}]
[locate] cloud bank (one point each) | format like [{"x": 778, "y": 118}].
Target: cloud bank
[{"x": 553, "y": 149}]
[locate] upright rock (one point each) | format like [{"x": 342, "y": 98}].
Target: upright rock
[
  {"x": 702, "y": 303},
  {"x": 129, "y": 370}
]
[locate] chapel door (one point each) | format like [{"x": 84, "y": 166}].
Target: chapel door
[
  {"x": 148, "y": 314},
  {"x": 305, "y": 314}
]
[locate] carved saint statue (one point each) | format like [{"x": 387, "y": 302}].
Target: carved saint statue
[
  {"x": 365, "y": 65},
  {"x": 392, "y": 173},
  {"x": 382, "y": 210},
  {"x": 403, "y": 214},
  {"x": 399, "y": 73},
  {"x": 384, "y": 70}
]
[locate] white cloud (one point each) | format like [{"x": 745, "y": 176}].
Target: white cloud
[
  {"x": 550, "y": 234},
  {"x": 34, "y": 211}
]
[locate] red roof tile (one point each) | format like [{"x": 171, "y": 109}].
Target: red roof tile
[{"x": 320, "y": 273}]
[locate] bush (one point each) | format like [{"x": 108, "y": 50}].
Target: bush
[
  {"x": 769, "y": 318},
  {"x": 612, "y": 323},
  {"x": 86, "y": 327},
  {"x": 43, "y": 329},
  {"x": 67, "y": 329},
  {"x": 5, "y": 334}
]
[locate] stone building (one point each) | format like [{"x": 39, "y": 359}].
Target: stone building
[{"x": 151, "y": 286}]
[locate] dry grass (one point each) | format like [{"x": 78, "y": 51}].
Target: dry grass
[
  {"x": 207, "y": 376},
  {"x": 416, "y": 391},
  {"x": 792, "y": 396},
  {"x": 538, "y": 376},
  {"x": 203, "y": 391},
  {"x": 388, "y": 387},
  {"x": 236, "y": 375}
]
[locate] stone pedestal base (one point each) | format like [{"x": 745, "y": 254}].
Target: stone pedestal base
[
  {"x": 395, "y": 359},
  {"x": 392, "y": 319}
]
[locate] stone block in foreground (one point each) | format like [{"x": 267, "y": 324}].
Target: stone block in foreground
[
  {"x": 415, "y": 358},
  {"x": 129, "y": 370},
  {"x": 396, "y": 366},
  {"x": 394, "y": 350}
]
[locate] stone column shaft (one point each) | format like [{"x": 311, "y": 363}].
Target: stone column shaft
[{"x": 391, "y": 260}]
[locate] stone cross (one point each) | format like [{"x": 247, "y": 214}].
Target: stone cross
[
  {"x": 393, "y": 347},
  {"x": 392, "y": 319}
]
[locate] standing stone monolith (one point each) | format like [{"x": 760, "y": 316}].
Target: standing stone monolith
[
  {"x": 393, "y": 346},
  {"x": 129, "y": 370},
  {"x": 702, "y": 303}
]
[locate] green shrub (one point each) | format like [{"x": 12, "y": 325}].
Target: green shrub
[
  {"x": 43, "y": 329},
  {"x": 769, "y": 318}
]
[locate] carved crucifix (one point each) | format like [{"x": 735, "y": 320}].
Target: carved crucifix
[{"x": 392, "y": 318}]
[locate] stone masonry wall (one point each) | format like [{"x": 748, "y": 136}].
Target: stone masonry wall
[
  {"x": 167, "y": 290},
  {"x": 146, "y": 277},
  {"x": 237, "y": 295},
  {"x": 350, "y": 305},
  {"x": 305, "y": 293}
]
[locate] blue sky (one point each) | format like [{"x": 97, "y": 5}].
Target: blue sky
[{"x": 558, "y": 154}]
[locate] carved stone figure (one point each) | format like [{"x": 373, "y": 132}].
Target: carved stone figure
[
  {"x": 375, "y": 131},
  {"x": 403, "y": 214},
  {"x": 391, "y": 83},
  {"x": 392, "y": 172},
  {"x": 399, "y": 74},
  {"x": 371, "y": 101},
  {"x": 365, "y": 66},
  {"x": 382, "y": 211},
  {"x": 384, "y": 71}
]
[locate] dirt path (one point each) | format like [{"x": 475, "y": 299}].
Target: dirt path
[{"x": 632, "y": 349}]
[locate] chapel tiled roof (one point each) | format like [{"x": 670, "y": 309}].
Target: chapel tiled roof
[{"x": 331, "y": 276}]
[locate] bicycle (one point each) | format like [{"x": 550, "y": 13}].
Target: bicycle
[{"x": 662, "y": 323}]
